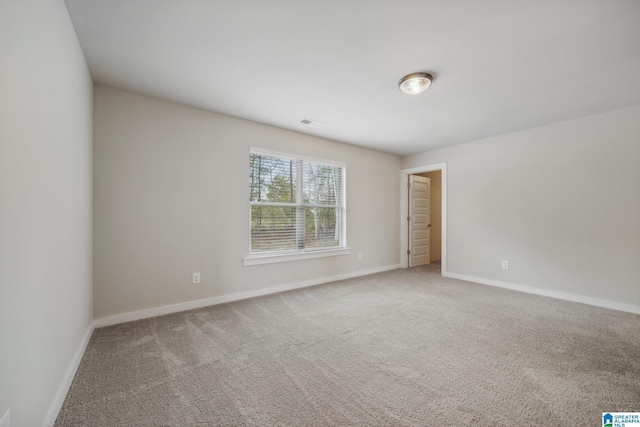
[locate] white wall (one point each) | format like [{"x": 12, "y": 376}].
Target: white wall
[
  {"x": 561, "y": 203},
  {"x": 171, "y": 198},
  {"x": 45, "y": 205}
]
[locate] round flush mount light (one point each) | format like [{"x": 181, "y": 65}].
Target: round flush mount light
[{"x": 415, "y": 83}]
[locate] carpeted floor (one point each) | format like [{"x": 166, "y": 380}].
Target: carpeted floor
[{"x": 401, "y": 348}]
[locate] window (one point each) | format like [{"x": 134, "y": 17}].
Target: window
[{"x": 297, "y": 204}]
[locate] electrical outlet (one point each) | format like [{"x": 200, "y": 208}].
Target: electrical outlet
[
  {"x": 505, "y": 265},
  {"x": 196, "y": 278},
  {"x": 4, "y": 421},
  {"x": 359, "y": 256}
]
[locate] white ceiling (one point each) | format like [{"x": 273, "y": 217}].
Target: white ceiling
[{"x": 499, "y": 65}]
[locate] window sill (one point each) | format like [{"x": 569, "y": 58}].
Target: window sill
[{"x": 273, "y": 258}]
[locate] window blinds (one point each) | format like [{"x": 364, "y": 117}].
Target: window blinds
[{"x": 296, "y": 204}]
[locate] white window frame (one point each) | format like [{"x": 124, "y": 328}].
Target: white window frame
[{"x": 258, "y": 258}]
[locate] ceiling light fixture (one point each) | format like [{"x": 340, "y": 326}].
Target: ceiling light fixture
[{"x": 415, "y": 83}]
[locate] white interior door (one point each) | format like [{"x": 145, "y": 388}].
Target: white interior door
[{"x": 419, "y": 220}]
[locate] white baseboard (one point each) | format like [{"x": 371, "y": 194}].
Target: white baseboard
[
  {"x": 61, "y": 394},
  {"x": 190, "y": 305},
  {"x": 630, "y": 308}
]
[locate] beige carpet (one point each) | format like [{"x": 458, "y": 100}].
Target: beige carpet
[{"x": 402, "y": 348}]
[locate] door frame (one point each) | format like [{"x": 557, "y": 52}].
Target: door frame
[{"x": 404, "y": 211}]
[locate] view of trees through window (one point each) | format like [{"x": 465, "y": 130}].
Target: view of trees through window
[{"x": 295, "y": 204}]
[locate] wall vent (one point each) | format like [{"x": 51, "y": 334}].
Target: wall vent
[{"x": 312, "y": 123}]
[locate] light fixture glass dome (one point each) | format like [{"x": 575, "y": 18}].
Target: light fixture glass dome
[{"x": 415, "y": 83}]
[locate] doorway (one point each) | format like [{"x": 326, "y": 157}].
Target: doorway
[
  {"x": 435, "y": 217},
  {"x": 436, "y": 237}
]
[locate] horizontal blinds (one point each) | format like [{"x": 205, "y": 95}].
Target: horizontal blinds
[
  {"x": 295, "y": 204},
  {"x": 273, "y": 228}
]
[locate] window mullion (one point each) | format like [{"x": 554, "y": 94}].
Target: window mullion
[
  {"x": 272, "y": 204},
  {"x": 300, "y": 214}
]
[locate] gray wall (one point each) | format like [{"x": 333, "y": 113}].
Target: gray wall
[
  {"x": 45, "y": 205},
  {"x": 171, "y": 198},
  {"x": 560, "y": 202}
]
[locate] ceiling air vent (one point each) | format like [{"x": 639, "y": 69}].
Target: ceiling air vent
[{"x": 312, "y": 123}]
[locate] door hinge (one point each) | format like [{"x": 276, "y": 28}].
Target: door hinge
[
  {"x": 409, "y": 183},
  {"x": 408, "y": 218},
  {"x": 408, "y": 252}
]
